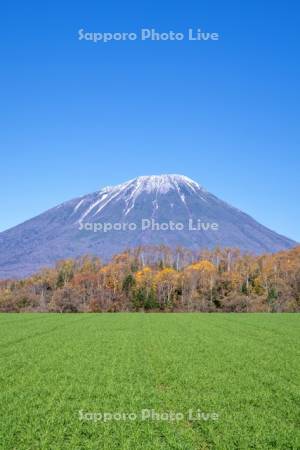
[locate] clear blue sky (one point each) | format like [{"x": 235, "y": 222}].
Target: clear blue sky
[{"x": 77, "y": 116}]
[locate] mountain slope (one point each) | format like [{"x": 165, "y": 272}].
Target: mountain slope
[{"x": 68, "y": 229}]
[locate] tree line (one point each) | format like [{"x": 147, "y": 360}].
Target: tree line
[{"x": 161, "y": 279}]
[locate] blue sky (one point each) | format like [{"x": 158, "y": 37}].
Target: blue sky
[{"x": 77, "y": 116}]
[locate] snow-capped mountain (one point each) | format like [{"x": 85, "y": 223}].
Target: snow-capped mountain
[{"x": 167, "y": 209}]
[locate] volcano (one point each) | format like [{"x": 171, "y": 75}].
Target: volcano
[{"x": 149, "y": 210}]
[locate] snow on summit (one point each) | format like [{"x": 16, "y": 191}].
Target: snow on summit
[
  {"x": 132, "y": 189},
  {"x": 159, "y": 183},
  {"x": 163, "y": 183}
]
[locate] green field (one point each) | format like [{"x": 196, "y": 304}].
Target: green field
[{"x": 244, "y": 368}]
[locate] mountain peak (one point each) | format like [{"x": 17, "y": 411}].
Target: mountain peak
[
  {"x": 166, "y": 179},
  {"x": 155, "y": 183}
]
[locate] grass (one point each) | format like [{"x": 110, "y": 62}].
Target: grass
[{"x": 243, "y": 367}]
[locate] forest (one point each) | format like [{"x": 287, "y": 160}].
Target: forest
[{"x": 161, "y": 279}]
